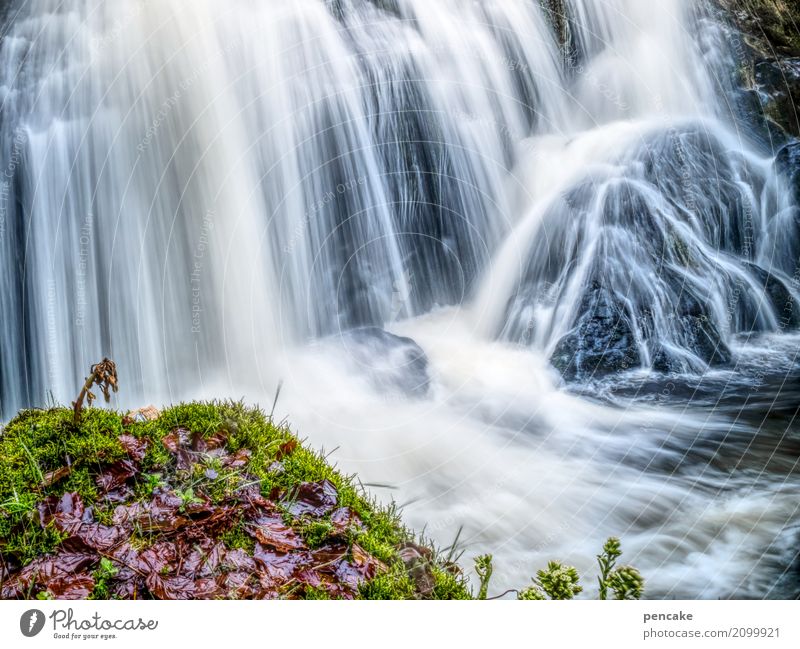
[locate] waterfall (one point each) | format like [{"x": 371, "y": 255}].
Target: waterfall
[{"x": 207, "y": 192}]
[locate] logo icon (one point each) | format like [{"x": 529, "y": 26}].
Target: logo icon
[{"x": 31, "y": 623}]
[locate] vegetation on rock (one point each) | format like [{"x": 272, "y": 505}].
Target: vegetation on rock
[{"x": 208, "y": 500}]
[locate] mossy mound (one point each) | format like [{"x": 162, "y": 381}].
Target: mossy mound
[{"x": 206, "y": 500}]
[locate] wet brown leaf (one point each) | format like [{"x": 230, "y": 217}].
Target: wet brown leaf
[
  {"x": 157, "y": 558},
  {"x": 280, "y": 567},
  {"x": 237, "y": 460},
  {"x": 71, "y": 587},
  {"x": 344, "y": 519},
  {"x": 116, "y": 475},
  {"x": 176, "y": 439},
  {"x": 50, "y": 478},
  {"x": 239, "y": 560},
  {"x": 313, "y": 498},
  {"x": 134, "y": 447},
  {"x": 287, "y": 448},
  {"x": 162, "y": 587},
  {"x": 270, "y": 530},
  {"x": 207, "y": 589}
]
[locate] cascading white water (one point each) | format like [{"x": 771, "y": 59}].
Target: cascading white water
[{"x": 208, "y": 192}]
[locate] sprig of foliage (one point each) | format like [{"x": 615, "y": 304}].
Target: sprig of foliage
[
  {"x": 606, "y": 560},
  {"x": 483, "y": 566},
  {"x": 627, "y": 583},
  {"x": 559, "y": 581}
]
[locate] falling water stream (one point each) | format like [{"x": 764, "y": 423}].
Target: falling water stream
[{"x": 517, "y": 263}]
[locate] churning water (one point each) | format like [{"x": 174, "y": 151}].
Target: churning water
[{"x": 425, "y": 216}]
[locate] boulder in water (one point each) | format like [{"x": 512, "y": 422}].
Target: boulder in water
[
  {"x": 392, "y": 363},
  {"x": 601, "y": 342}
]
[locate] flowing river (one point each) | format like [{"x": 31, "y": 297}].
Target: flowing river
[{"x": 523, "y": 266}]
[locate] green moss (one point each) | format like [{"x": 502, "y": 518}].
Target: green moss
[{"x": 38, "y": 442}]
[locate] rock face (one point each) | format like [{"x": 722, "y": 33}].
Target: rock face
[
  {"x": 602, "y": 342},
  {"x": 770, "y": 76},
  {"x": 392, "y": 363}
]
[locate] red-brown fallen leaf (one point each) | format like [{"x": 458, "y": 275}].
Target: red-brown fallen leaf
[
  {"x": 203, "y": 561},
  {"x": 50, "y": 478},
  {"x": 287, "y": 448},
  {"x": 313, "y": 498},
  {"x": 237, "y": 460},
  {"x": 217, "y": 440},
  {"x": 130, "y": 587},
  {"x": 270, "y": 530},
  {"x": 162, "y": 513},
  {"x": 128, "y": 581},
  {"x": 207, "y": 589},
  {"x": 70, "y": 517},
  {"x": 42, "y": 570},
  {"x": 69, "y": 504},
  {"x": 239, "y": 560},
  {"x": 237, "y": 585},
  {"x": 250, "y": 494},
  {"x": 134, "y": 447},
  {"x": 71, "y": 587},
  {"x": 410, "y": 552},
  {"x": 162, "y": 587},
  {"x": 344, "y": 519},
  {"x": 203, "y": 444},
  {"x": 127, "y": 515},
  {"x": 280, "y": 567},
  {"x": 176, "y": 439},
  {"x": 417, "y": 560},
  {"x": 116, "y": 475},
  {"x": 157, "y": 558},
  {"x": 370, "y": 566},
  {"x": 329, "y": 555},
  {"x": 349, "y": 575},
  {"x": 121, "y": 495}
]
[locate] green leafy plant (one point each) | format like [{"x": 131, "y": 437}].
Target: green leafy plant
[
  {"x": 187, "y": 498},
  {"x": 483, "y": 566},
  {"x": 559, "y": 581},
  {"x": 625, "y": 582},
  {"x": 606, "y": 560},
  {"x": 106, "y": 571}
]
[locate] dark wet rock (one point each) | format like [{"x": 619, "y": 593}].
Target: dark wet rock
[
  {"x": 766, "y": 47},
  {"x": 788, "y": 162},
  {"x": 778, "y": 83},
  {"x": 393, "y": 363},
  {"x": 787, "y": 310},
  {"x": 601, "y": 342},
  {"x": 773, "y": 27}
]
